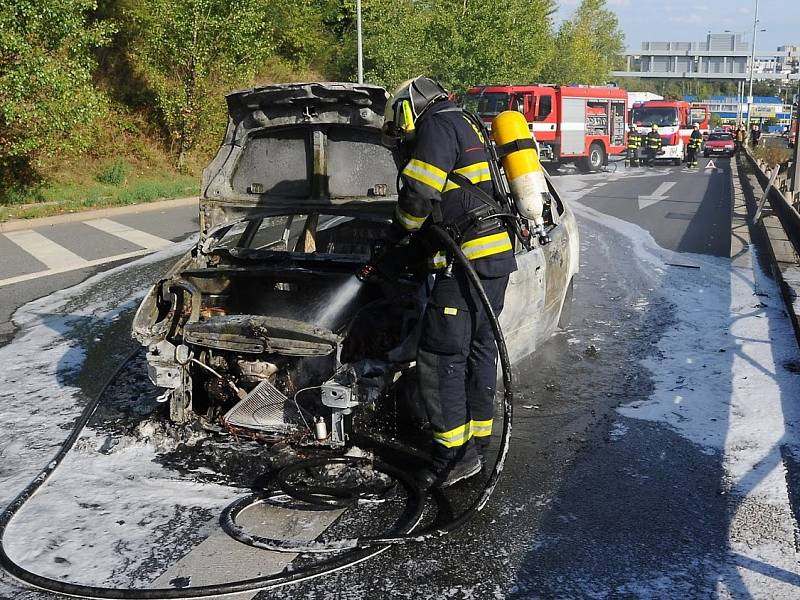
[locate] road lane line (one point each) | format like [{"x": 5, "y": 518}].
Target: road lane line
[
  {"x": 220, "y": 558},
  {"x": 66, "y": 269},
  {"x": 53, "y": 256},
  {"x": 657, "y": 196},
  {"x": 662, "y": 189},
  {"x": 129, "y": 234}
]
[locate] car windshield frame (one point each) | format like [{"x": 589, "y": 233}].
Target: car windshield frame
[
  {"x": 282, "y": 229},
  {"x": 720, "y": 137},
  {"x": 662, "y": 116},
  {"x": 486, "y": 104}
]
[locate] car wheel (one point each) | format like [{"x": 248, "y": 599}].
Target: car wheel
[
  {"x": 565, "y": 318},
  {"x": 705, "y": 154}
]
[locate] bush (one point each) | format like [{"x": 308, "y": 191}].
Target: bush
[
  {"x": 47, "y": 96},
  {"x": 772, "y": 155},
  {"x": 114, "y": 173}
]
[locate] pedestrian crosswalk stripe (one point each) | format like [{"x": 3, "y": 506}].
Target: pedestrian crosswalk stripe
[
  {"x": 46, "y": 251},
  {"x": 58, "y": 259},
  {"x": 73, "y": 267},
  {"x": 129, "y": 234}
]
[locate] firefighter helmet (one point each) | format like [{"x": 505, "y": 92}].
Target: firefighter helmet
[
  {"x": 406, "y": 106},
  {"x": 654, "y": 127}
]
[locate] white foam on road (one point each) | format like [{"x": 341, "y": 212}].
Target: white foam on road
[
  {"x": 723, "y": 378},
  {"x": 39, "y": 404}
]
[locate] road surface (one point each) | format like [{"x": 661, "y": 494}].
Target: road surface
[{"x": 655, "y": 445}]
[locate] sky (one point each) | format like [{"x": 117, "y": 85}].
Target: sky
[{"x": 691, "y": 20}]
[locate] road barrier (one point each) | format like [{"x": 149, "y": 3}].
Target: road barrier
[
  {"x": 781, "y": 231},
  {"x": 778, "y": 200}
]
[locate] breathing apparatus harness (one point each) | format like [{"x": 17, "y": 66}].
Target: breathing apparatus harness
[{"x": 496, "y": 208}]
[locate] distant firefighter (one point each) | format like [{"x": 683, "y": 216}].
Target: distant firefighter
[
  {"x": 693, "y": 147},
  {"x": 653, "y": 141},
  {"x": 634, "y": 143}
]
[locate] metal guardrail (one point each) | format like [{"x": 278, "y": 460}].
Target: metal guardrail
[{"x": 772, "y": 181}]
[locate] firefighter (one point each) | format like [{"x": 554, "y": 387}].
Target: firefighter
[
  {"x": 653, "y": 141},
  {"x": 741, "y": 137},
  {"x": 457, "y": 355},
  {"x": 634, "y": 143},
  {"x": 755, "y": 135},
  {"x": 693, "y": 147}
]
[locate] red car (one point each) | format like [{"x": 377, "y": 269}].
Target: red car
[{"x": 719, "y": 143}]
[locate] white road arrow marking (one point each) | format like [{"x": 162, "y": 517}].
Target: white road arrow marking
[{"x": 657, "y": 196}]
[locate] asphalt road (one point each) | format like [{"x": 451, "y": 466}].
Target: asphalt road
[
  {"x": 684, "y": 210},
  {"x": 652, "y": 445},
  {"x": 41, "y": 260}
]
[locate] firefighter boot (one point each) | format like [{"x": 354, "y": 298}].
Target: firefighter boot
[
  {"x": 482, "y": 446},
  {"x": 450, "y": 465}
]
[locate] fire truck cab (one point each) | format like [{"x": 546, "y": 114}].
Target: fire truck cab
[
  {"x": 675, "y": 120},
  {"x": 578, "y": 124}
]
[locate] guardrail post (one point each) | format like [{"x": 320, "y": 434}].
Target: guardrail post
[{"x": 794, "y": 173}]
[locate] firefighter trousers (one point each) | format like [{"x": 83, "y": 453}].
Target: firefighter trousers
[
  {"x": 457, "y": 363},
  {"x": 691, "y": 156}
]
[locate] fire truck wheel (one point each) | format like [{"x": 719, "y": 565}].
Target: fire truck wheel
[
  {"x": 597, "y": 156},
  {"x": 595, "y": 160}
]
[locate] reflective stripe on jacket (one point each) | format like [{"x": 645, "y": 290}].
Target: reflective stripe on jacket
[{"x": 448, "y": 142}]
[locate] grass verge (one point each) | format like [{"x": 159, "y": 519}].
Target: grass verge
[{"x": 60, "y": 198}]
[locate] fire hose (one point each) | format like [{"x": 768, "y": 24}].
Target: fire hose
[{"x": 353, "y": 550}]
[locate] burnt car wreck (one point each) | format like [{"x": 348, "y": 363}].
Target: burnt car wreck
[{"x": 263, "y": 327}]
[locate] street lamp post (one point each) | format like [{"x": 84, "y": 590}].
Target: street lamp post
[
  {"x": 752, "y": 67},
  {"x": 360, "y": 49}
]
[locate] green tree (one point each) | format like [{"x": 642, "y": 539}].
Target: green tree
[
  {"x": 459, "y": 42},
  {"x": 396, "y": 45},
  {"x": 188, "y": 51},
  {"x": 589, "y": 46},
  {"x": 476, "y": 42},
  {"x": 47, "y": 100}
]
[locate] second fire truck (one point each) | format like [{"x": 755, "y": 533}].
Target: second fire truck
[
  {"x": 577, "y": 124},
  {"x": 675, "y": 120}
]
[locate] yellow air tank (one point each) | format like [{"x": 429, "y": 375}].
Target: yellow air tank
[{"x": 522, "y": 166}]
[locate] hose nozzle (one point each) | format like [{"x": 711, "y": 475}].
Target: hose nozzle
[{"x": 366, "y": 272}]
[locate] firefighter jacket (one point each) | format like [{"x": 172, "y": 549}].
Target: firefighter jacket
[
  {"x": 634, "y": 140},
  {"x": 447, "y": 142},
  {"x": 653, "y": 140},
  {"x": 695, "y": 140}
]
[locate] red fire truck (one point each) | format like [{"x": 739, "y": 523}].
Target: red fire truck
[
  {"x": 675, "y": 120},
  {"x": 570, "y": 123}
]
